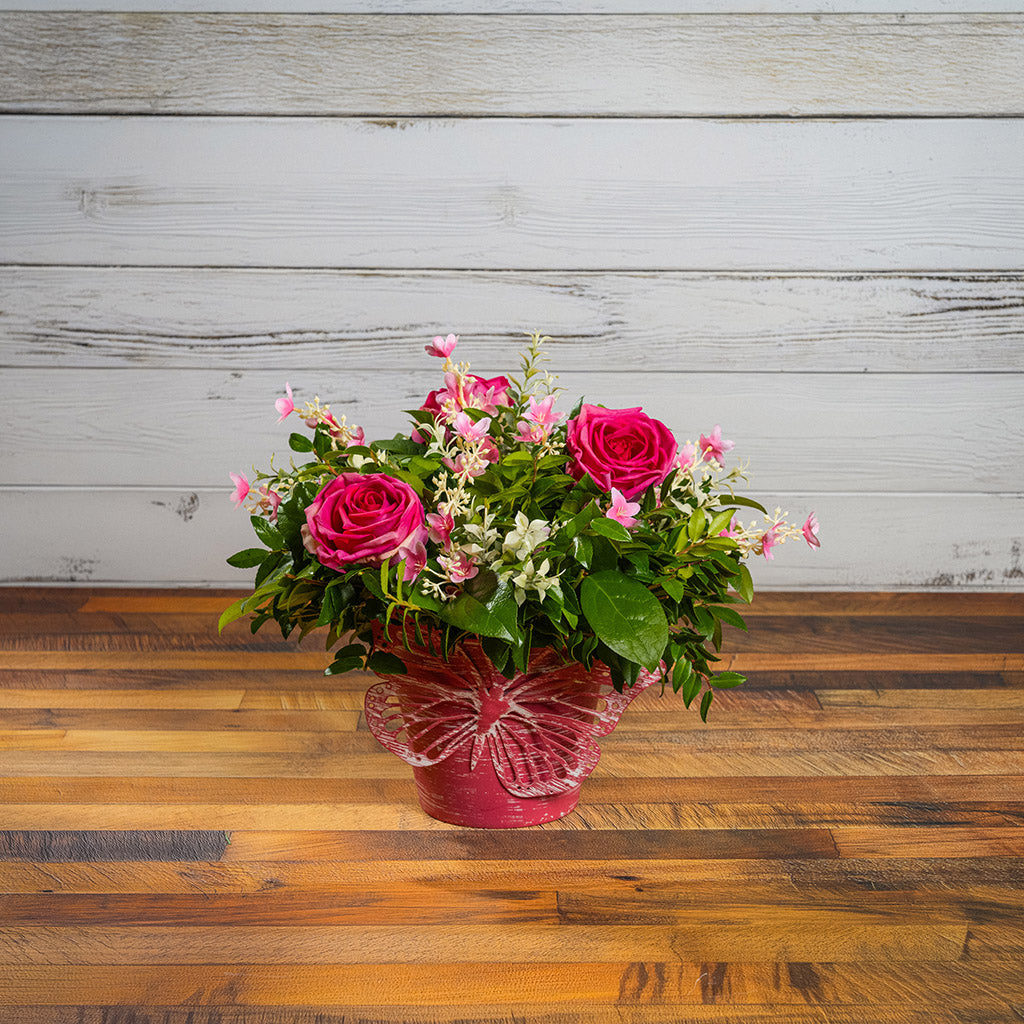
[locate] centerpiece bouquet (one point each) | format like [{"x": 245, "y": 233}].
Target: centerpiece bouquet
[{"x": 515, "y": 574}]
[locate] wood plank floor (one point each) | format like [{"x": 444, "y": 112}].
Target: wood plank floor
[{"x": 198, "y": 829}]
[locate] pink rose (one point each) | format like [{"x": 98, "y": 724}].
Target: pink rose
[
  {"x": 622, "y": 448},
  {"x": 366, "y": 520}
]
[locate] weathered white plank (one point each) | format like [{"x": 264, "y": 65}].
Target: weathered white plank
[
  {"x": 869, "y": 541},
  {"x": 297, "y": 319},
  {"x": 514, "y": 193},
  {"x": 524, "y": 6},
  {"x": 632, "y": 65},
  {"x": 830, "y": 432}
]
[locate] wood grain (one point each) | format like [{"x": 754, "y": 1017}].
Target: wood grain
[
  {"x": 394, "y": 65},
  {"x": 198, "y": 830},
  {"x": 845, "y": 195},
  {"x": 290, "y": 320}
]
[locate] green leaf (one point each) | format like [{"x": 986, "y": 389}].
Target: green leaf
[
  {"x": 582, "y": 549},
  {"x": 248, "y": 558},
  {"x": 235, "y": 610},
  {"x": 385, "y": 664},
  {"x": 610, "y": 528},
  {"x": 705, "y": 704},
  {"x": 727, "y": 680},
  {"x": 300, "y": 443},
  {"x": 398, "y": 445},
  {"x": 695, "y": 527},
  {"x": 673, "y": 587},
  {"x": 735, "y": 499},
  {"x": 340, "y": 665},
  {"x": 497, "y": 618},
  {"x": 270, "y": 535},
  {"x": 730, "y": 616},
  {"x": 721, "y": 521},
  {"x": 682, "y": 673},
  {"x": 691, "y": 688},
  {"x": 626, "y": 616},
  {"x": 581, "y": 520},
  {"x": 744, "y": 585},
  {"x": 270, "y": 565}
]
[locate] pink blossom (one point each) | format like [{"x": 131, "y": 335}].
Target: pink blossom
[
  {"x": 459, "y": 567},
  {"x": 242, "y": 488},
  {"x": 731, "y": 533},
  {"x": 439, "y": 528},
  {"x": 714, "y": 446},
  {"x": 466, "y": 428},
  {"x": 284, "y": 405},
  {"x": 540, "y": 412},
  {"x": 810, "y": 531},
  {"x": 442, "y": 347},
  {"x": 768, "y": 541},
  {"x": 466, "y": 464},
  {"x": 356, "y": 435},
  {"x": 622, "y": 511},
  {"x": 270, "y": 502},
  {"x": 687, "y": 457},
  {"x": 415, "y": 557},
  {"x": 531, "y": 433}
]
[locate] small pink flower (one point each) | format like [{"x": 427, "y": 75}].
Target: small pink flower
[
  {"x": 242, "y": 488},
  {"x": 768, "y": 541},
  {"x": 687, "y": 457},
  {"x": 810, "y": 531},
  {"x": 442, "y": 347},
  {"x": 270, "y": 501},
  {"x": 540, "y": 412},
  {"x": 470, "y": 431},
  {"x": 356, "y": 435},
  {"x": 439, "y": 528},
  {"x": 459, "y": 567},
  {"x": 415, "y": 557},
  {"x": 714, "y": 446},
  {"x": 531, "y": 433},
  {"x": 284, "y": 405},
  {"x": 470, "y": 465},
  {"x": 731, "y": 533},
  {"x": 622, "y": 511}
]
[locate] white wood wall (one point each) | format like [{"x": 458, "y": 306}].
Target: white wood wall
[{"x": 803, "y": 223}]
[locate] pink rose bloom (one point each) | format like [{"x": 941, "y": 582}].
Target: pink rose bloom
[
  {"x": 366, "y": 520},
  {"x": 622, "y": 448}
]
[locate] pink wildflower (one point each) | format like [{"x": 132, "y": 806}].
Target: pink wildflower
[
  {"x": 540, "y": 412},
  {"x": 714, "y": 446},
  {"x": 242, "y": 488},
  {"x": 439, "y": 528},
  {"x": 284, "y": 405},
  {"x": 531, "y": 433},
  {"x": 442, "y": 347},
  {"x": 687, "y": 457},
  {"x": 466, "y": 428},
  {"x": 269, "y": 502},
  {"x": 622, "y": 511},
  {"x": 356, "y": 435},
  {"x": 810, "y": 531},
  {"x": 768, "y": 541},
  {"x": 414, "y": 554},
  {"x": 459, "y": 567}
]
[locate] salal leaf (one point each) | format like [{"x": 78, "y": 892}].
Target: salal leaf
[
  {"x": 497, "y": 617},
  {"x": 626, "y": 616}
]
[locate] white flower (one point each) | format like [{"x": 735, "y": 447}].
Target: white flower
[
  {"x": 530, "y": 578},
  {"x": 523, "y": 540}
]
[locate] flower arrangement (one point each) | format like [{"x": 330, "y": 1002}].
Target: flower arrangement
[{"x": 592, "y": 534}]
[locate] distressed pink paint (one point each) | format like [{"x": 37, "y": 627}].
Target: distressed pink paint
[{"x": 491, "y": 752}]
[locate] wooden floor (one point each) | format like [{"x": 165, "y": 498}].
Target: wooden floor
[{"x": 200, "y": 830}]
